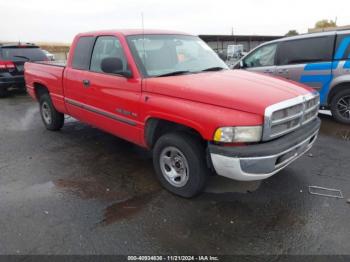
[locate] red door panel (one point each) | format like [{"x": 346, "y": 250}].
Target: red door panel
[{"x": 113, "y": 105}]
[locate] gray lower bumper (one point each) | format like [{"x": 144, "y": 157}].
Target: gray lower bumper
[{"x": 259, "y": 166}]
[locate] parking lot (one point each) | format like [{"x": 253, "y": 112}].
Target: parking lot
[{"x": 82, "y": 191}]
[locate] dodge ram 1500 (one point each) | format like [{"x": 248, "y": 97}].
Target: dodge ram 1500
[{"x": 170, "y": 93}]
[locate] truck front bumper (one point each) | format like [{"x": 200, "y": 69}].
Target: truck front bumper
[{"x": 260, "y": 161}]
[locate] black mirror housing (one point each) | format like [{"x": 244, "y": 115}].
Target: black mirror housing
[{"x": 114, "y": 65}]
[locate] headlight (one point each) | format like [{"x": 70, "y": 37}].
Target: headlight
[{"x": 238, "y": 134}]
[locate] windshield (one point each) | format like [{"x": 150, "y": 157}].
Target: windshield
[
  {"x": 161, "y": 55},
  {"x": 23, "y": 54}
]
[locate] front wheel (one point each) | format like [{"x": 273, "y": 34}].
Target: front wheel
[
  {"x": 180, "y": 165},
  {"x": 340, "y": 106},
  {"x": 53, "y": 120}
]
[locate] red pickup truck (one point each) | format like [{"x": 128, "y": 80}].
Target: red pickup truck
[{"x": 170, "y": 93}]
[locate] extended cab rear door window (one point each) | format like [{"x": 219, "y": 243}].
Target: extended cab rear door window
[
  {"x": 308, "y": 50},
  {"x": 82, "y": 53},
  {"x": 107, "y": 47}
]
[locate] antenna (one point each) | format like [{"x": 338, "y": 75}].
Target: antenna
[{"x": 143, "y": 36}]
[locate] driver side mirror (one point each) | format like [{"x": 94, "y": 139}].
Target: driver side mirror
[{"x": 114, "y": 65}]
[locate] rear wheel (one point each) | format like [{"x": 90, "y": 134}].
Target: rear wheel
[
  {"x": 53, "y": 120},
  {"x": 180, "y": 165},
  {"x": 3, "y": 92},
  {"x": 340, "y": 106}
]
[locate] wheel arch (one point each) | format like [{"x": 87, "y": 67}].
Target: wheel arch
[
  {"x": 155, "y": 127},
  {"x": 337, "y": 88},
  {"x": 40, "y": 89}
]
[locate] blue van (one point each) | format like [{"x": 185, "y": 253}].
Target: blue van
[{"x": 319, "y": 60}]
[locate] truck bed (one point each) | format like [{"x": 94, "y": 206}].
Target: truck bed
[{"x": 48, "y": 74}]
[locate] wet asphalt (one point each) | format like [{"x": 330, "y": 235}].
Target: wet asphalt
[{"x": 82, "y": 191}]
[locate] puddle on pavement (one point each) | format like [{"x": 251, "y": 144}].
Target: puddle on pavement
[
  {"x": 90, "y": 188},
  {"x": 330, "y": 127},
  {"x": 282, "y": 217},
  {"x": 127, "y": 192},
  {"x": 221, "y": 185},
  {"x": 125, "y": 209},
  {"x": 130, "y": 193}
]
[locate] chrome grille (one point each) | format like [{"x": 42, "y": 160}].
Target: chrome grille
[{"x": 287, "y": 116}]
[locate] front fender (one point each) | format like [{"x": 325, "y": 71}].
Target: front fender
[{"x": 203, "y": 118}]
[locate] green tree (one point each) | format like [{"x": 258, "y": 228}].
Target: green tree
[
  {"x": 325, "y": 23},
  {"x": 292, "y": 33}
]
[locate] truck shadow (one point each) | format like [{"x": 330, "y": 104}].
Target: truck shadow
[{"x": 120, "y": 174}]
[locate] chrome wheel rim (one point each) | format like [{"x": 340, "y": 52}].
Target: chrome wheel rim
[
  {"x": 174, "y": 166},
  {"x": 343, "y": 106},
  {"x": 46, "y": 113}
]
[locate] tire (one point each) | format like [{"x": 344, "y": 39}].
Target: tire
[
  {"x": 52, "y": 119},
  {"x": 180, "y": 153},
  {"x": 340, "y": 106},
  {"x": 3, "y": 92}
]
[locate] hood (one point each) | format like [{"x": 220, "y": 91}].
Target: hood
[{"x": 235, "y": 89}]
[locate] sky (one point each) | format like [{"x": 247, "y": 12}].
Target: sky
[{"x": 60, "y": 20}]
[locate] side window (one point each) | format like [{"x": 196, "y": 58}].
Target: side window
[
  {"x": 342, "y": 49},
  {"x": 264, "y": 56},
  {"x": 82, "y": 53},
  {"x": 317, "y": 49},
  {"x": 107, "y": 47}
]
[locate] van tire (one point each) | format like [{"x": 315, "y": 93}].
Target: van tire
[
  {"x": 339, "y": 101},
  {"x": 52, "y": 119},
  {"x": 186, "y": 154}
]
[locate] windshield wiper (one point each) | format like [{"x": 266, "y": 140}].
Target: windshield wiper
[
  {"x": 175, "y": 73},
  {"x": 215, "y": 68},
  {"x": 20, "y": 56}
]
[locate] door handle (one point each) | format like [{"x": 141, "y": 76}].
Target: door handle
[{"x": 86, "y": 83}]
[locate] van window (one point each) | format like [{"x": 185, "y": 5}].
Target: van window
[
  {"x": 316, "y": 49},
  {"x": 264, "y": 56},
  {"x": 342, "y": 47},
  {"x": 107, "y": 46},
  {"x": 82, "y": 53}
]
